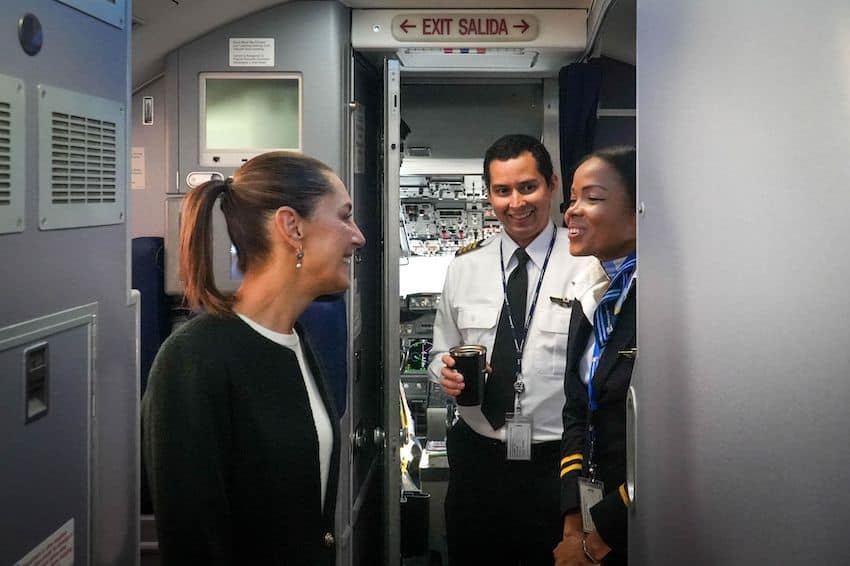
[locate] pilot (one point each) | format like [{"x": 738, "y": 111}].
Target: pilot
[{"x": 502, "y": 500}]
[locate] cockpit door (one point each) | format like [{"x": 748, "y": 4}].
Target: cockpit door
[
  {"x": 390, "y": 278},
  {"x": 369, "y": 530}
]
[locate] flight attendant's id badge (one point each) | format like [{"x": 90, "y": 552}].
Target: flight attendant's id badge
[
  {"x": 518, "y": 436},
  {"x": 589, "y": 493}
]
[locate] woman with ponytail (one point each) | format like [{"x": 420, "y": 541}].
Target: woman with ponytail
[{"x": 239, "y": 431}]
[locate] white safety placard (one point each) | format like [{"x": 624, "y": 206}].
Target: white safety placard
[
  {"x": 137, "y": 168},
  {"x": 55, "y": 550},
  {"x": 252, "y": 52}
]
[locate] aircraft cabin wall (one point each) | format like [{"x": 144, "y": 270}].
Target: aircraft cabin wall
[
  {"x": 309, "y": 44},
  {"x": 67, "y": 317},
  {"x": 150, "y": 178},
  {"x": 310, "y": 40}
]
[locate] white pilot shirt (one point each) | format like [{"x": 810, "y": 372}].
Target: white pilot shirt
[{"x": 469, "y": 314}]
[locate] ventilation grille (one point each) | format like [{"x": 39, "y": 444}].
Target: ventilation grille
[
  {"x": 12, "y": 151},
  {"x": 84, "y": 160},
  {"x": 5, "y": 154}
]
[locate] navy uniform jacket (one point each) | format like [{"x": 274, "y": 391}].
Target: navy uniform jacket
[{"x": 611, "y": 383}]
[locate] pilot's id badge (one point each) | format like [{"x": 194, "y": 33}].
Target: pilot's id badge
[
  {"x": 518, "y": 436},
  {"x": 590, "y": 493}
]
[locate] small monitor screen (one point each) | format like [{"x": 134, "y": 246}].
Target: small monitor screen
[{"x": 243, "y": 114}]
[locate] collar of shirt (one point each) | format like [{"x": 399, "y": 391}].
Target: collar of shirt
[
  {"x": 536, "y": 250},
  {"x": 612, "y": 265},
  {"x": 589, "y": 287},
  {"x": 291, "y": 341}
]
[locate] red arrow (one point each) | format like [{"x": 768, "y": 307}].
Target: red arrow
[
  {"x": 405, "y": 26},
  {"x": 524, "y": 27}
]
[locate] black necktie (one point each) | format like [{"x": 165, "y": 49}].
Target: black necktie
[{"x": 499, "y": 392}]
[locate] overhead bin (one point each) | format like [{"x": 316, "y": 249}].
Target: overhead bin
[{"x": 534, "y": 42}]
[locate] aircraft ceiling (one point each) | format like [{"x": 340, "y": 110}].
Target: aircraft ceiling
[{"x": 160, "y": 26}]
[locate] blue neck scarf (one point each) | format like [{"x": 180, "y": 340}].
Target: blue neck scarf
[{"x": 606, "y": 314}]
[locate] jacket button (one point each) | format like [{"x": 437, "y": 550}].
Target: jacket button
[{"x": 329, "y": 539}]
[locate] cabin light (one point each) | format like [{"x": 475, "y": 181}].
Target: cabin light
[
  {"x": 376, "y": 28},
  {"x": 468, "y": 57}
]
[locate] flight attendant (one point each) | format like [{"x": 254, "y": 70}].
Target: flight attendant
[{"x": 601, "y": 223}]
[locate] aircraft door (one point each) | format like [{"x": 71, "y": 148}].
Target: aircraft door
[
  {"x": 390, "y": 301},
  {"x": 365, "y": 538}
]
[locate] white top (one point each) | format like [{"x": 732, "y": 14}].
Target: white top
[
  {"x": 321, "y": 420},
  {"x": 469, "y": 314}
]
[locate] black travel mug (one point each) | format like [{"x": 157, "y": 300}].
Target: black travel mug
[{"x": 471, "y": 362}]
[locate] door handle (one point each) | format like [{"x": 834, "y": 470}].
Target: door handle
[
  {"x": 379, "y": 438},
  {"x": 631, "y": 446},
  {"x": 361, "y": 438}
]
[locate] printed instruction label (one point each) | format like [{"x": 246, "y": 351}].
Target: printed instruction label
[
  {"x": 252, "y": 52},
  {"x": 56, "y": 550},
  {"x": 137, "y": 168}
]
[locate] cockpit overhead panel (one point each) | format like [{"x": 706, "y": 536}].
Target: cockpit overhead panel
[{"x": 443, "y": 213}]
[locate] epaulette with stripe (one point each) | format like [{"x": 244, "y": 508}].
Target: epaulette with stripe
[{"x": 469, "y": 247}]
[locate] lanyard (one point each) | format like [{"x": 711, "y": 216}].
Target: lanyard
[{"x": 519, "y": 344}]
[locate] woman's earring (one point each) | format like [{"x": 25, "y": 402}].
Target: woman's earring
[{"x": 298, "y": 257}]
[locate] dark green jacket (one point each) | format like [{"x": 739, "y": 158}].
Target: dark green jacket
[{"x": 231, "y": 450}]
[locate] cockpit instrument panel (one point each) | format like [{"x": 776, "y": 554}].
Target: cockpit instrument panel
[{"x": 443, "y": 213}]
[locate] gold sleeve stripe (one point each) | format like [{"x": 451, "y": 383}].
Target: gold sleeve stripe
[
  {"x": 569, "y": 469},
  {"x": 624, "y": 496},
  {"x": 570, "y": 458}
]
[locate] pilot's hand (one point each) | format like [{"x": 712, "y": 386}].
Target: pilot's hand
[{"x": 450, "y": 379}]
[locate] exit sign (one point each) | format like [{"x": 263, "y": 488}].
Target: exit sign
[{"x": 465, "y": 27}]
